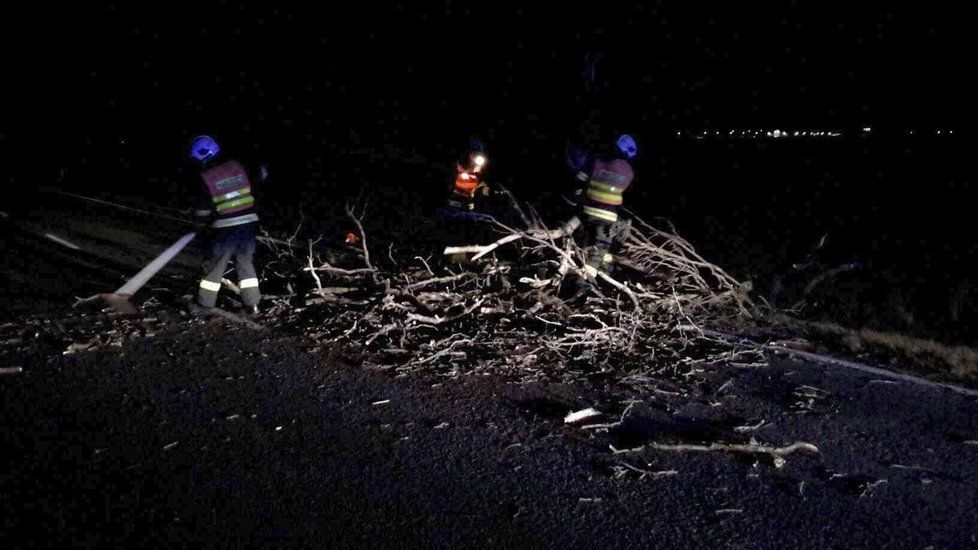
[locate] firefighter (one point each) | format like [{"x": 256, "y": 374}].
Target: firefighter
[
  {"x": 469, "y": 179},
  {"x": 605, "y": 179},
  {"x": 230, "y": 209}
]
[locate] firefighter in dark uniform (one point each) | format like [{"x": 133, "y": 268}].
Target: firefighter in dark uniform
[
  {"x": 603, "y": 181},
  {"x": 230, "y": 209},
  {"x": 469, "y": 179}
]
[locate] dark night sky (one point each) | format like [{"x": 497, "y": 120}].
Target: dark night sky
[{"x": 303, "y": 78}]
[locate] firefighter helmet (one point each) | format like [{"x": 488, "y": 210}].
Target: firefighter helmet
[
  {"x": 203, "y": 148},
  {"x": 627, "y": 146}
]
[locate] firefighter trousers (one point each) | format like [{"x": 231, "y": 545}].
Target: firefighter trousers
[
  {"x": 598, "y": 246},
  {"x": 238, "y": 242}
]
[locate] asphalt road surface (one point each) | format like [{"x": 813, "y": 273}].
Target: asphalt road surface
[{"x": 209, "y": 433}]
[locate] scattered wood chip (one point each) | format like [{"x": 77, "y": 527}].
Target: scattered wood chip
[
  {"x": 729, "y": 511},
  {"x": 169, "y": 446},
  {"x": 384, "y": 402},
  {"x": 581, "y": 415},
  {"x": 441, "y": 426},
  {"x": 973, "y": 442},
  {"x": 11, "y": 370},
  {"x": 61, "y": 241}
]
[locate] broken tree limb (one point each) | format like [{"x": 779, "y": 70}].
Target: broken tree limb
[
  {"x": 228, "y": 284},
  {"x": 779, "y": 452},
  {"x": 496, "y": 245},
  {"x": 564, "y": 230},
  {"x": 363, "y": 237},
  {"x": 621, "y": 286},
  {"x": 312, "y": 271}
]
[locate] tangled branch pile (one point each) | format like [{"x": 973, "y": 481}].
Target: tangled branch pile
[{"x": 508, "y": 311}]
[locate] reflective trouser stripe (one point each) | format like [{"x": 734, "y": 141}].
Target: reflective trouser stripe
[
  {"x": 237, "y": 220},
  {"x": 606, "y": 198},
  {"x": 249, "y": 291},
  {"x": 601, "y": 213},
  {"x": 248, "y": 283},
  {"x": 232, "y": 194},
  {"x": 235, "y": 203},
  {"x": 207, "y": 285}
]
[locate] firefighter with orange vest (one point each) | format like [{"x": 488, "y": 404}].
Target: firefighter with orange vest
[
  {"x": 230, "y": 209},
  {"x": 469, "y": 179},
  {"x": 604, "y": 180}
]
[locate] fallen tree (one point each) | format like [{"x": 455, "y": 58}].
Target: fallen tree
[{"x": 511, "y": 307}]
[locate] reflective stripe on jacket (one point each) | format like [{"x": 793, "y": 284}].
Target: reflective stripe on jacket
[
  {"x": 229, "y": 188},
  {"x": 605, "y": 187}
]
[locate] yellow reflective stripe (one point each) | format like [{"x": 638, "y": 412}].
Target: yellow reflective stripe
[
  {"x": 605, "y": 187},
  {"x": 607, "y": 198},
  {"x": 207, "y": 285},
  {"x": 235, "y": 203},
  {"x": 248, "y": 283},
  {"x": 232, "y": 194},
  {"x": 601, "y": 213}
]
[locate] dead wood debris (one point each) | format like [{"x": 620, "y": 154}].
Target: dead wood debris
[{"x": 508, "y": 311}]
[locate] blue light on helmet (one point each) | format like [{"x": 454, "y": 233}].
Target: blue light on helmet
[
  {"x": 628, "y": 147},
  {"x": 203, "y": 148}
]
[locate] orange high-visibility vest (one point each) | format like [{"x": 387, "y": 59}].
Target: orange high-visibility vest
[{"x": 466, "y": 183}]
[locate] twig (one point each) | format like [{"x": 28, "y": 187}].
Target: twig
[
  {"x": 363, "y": 237},
  {"x": 438, "y": 281},
  {"x": 439, "y": 320}
]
